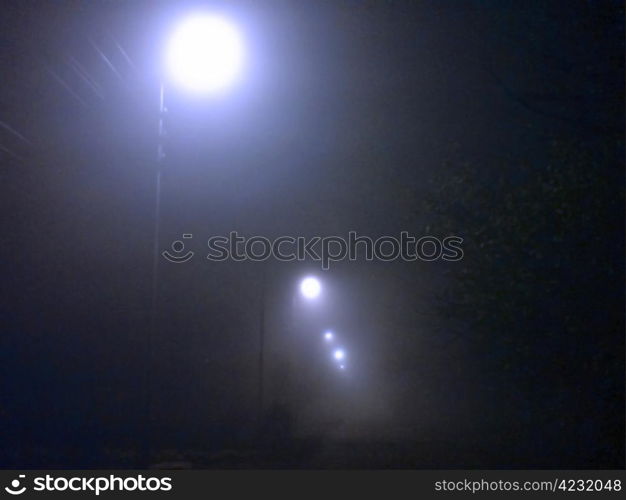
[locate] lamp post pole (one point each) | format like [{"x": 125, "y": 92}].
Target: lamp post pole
[
  {"x": 152, "y": 331},
  {"x": 157, "y": 208}
]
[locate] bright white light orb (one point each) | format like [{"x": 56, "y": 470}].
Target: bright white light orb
[
  {"x": 339, "y": 354},
  {"x": 205, "y": 54},
  {"x": 328, "y": 336},
  {"x": 342, "y": 367},
  {"x": 310, "y": 287}
]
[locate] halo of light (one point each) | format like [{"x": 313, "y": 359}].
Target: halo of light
[
  {"x": 310, "y": 287},
  {"x": 339, "y": 354},
  {"x": 204, "y": 54},
  {"x": 328, "y": 336}
]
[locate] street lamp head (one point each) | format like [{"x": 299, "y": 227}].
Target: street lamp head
[
  {"x": 205, "y": 54},
  {"x": 339, "y": 354},
  {"x": 310, "y": 287},
  {"x": 328, "y": 336}
]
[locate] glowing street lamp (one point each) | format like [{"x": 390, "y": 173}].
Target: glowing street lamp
[
  {"x": 328, "y": 336},
  {"x": 339, "y": 354},
  {"x": 310, "y": 287},
  {"x": 204, "y": 54}
]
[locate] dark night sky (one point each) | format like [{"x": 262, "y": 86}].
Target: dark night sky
[{"x": 345, "y": 116}]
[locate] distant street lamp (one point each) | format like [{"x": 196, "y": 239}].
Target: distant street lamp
[
  {"x": 339, "y": 354},
  {"x": 310, "y": 287},
  {"x": 328, "y": 336}
]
